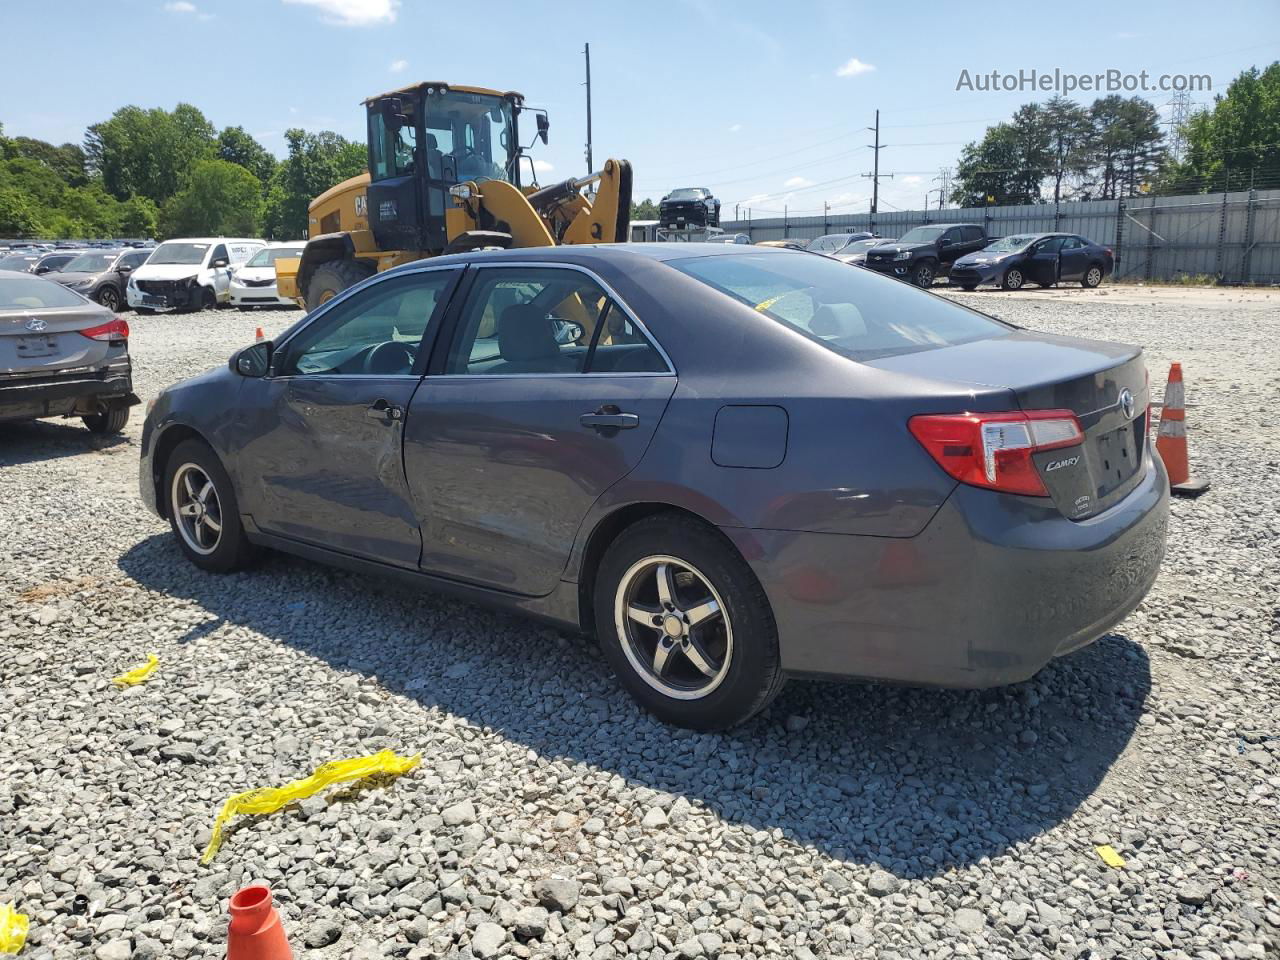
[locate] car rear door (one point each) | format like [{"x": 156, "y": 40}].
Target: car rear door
[
  {"x": 325, "y": 463},
  {"x": 546, "y": 392},
  {"x": 1073, "y": 258}
]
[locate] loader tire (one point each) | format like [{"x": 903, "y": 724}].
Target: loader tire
[{"x": 332, "y": 278}]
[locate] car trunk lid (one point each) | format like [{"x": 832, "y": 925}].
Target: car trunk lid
[
  {"x": 48, "y": 340},
  {"x": 1103, "y": 384}
]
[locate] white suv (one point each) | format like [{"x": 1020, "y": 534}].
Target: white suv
[{"x": 189, "y": 274}]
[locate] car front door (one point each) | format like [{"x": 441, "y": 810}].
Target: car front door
[
  {"x": 220, "y": 270},
  {"x": 325, "y": 463},
  {"x": 1042, "y": 261},
  {"x": 952, "y": 248},
  {"x": 547, "y": 393}
]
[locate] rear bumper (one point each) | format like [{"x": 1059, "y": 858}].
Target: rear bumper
[
  {"x": 990, "y": 591},
  {"x": 64, "y": 394}
]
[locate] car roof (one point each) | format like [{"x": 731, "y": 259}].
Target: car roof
[
  {"x": 215, "y": 240},
  {"x": 615, "y": 254}
]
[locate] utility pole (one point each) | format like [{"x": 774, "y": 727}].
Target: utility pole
[
  {"x": 944, "y": 178},
  {"x": 875, "y": 174},
  {"x": 586, "y": 50},
  {"x": 735, "y": 213}
]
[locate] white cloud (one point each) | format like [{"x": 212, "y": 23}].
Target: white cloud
[
  {"x": 354, "y": 13},
  {"x": 542, "y": 166},
  {"x": 398, "y": 66},
  {"x": 911, "y": 179},
  {"x": 797, "y": 182},
  {"x": 735, "y": 128},
  {"x": 180, "y": 6},
  {"x": 853, "y": 68}
]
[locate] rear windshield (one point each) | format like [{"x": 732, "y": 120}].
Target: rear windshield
[
  {"x": 267, "y": 257},
  {"x": 33, "y": 293},
  {"x": 854, "y": 312}
]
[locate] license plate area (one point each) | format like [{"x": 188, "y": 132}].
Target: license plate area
[
  {"x": 31, "y": 347},
  {"x": 1117, "y": 456},
  {"x": 151, "y": 300}
]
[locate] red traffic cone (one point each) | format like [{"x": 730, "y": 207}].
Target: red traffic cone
[
  {"x": 255, "y": 932},
  {"x": 1171, "y": 441},
  {"x": 259, "y": 335}
]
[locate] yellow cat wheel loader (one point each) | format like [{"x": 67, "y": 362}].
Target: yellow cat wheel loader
[{"x": 445, "y": 175}]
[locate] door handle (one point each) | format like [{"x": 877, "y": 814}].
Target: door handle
[
  {"x": 609, "y": 418},
  {"x": 384, "y": 411}
]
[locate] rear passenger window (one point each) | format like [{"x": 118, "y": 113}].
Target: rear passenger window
[
  {"x": 546, "y": 321},
  {"x": 972, "y": 234}
]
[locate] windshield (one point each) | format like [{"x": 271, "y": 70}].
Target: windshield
[
  {"x": 470, "y": 134},
  {"x": 922, "y": 235},
  {"x": 685, "y": 193},
  {"x": 856, "y": 313},
  {"x": 1010, "y": 244},
  {"x": 90, "y": 263},
  {"x": 178, "y": 251},
  {"x": 268, "y": 257},
  {"x": 32, "y": 293},
  {"x": 830, "y": 243},
  {"x": 18, "y": 261}
]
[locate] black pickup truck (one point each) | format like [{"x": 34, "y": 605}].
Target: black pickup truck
[
  {"x": 925, "y": 253},
  {"x": 689, "y": 207}
]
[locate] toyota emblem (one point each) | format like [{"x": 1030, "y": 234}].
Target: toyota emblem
[
  {"x": 1126, "y": 403},
  {"x": 35, "y": 324}
]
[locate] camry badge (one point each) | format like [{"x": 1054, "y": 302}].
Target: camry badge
[
  {"x": 35, "y": 324},
  {"x": 1126, "y": 403}
]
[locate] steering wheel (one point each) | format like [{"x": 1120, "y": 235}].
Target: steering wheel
[{"x": 389, "y": 358}]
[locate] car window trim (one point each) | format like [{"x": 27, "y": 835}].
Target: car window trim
[
  {"x": 426, "y": 346},
  {"x": 451, "y": 321}
]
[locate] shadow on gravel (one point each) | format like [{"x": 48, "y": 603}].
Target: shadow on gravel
[
  {"x": 33, "y": 441},
  {"x": 913, "y": 780}
]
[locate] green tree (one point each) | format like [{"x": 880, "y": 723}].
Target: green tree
[
  {"x": 316, "y": 162},
  {"x": 18, "y": 216},
  {"x": 1067, "y": 126},
  {"x": 236, "y": 145},
  {"x": 646, "y": 209},
  {"x": 138, "y": 218},
  {"x": 1239, "y": 134},
  {"x": 1124, "y": 149},
  {"x": 148, "y": 152},
  {"x": 1009, "y": 164},
  {"x": 67, "y": 161},
  {"x": 219, "y": 198}
]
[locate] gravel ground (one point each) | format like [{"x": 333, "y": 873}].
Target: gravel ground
[{"x": 549, "y": 818}]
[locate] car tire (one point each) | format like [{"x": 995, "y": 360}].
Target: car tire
[
  {"x": 725, "y": 667},
  {"x": 1013, "y": 279},
  {"x": 144, "y": 311},
  {"x": 332, "y": 278},
  {"x": 242, "y": 308},
  {"x": 923, "y": 274},
  {"x": 109, "y": 298},
  {"x": 208, "y": 299},
  {"x": 191, "y": 466},
  {"x": 1092, "y": 277},
  {"x": 112, "y": 420}
]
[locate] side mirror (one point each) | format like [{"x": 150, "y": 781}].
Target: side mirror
[
  {"x": 42, "y": 270},
  {"x": 543, "y": 126},
  {"x": 220, "y": 262},
  {"x": 253, "y": 360},
  {"x": 568, "y": 331},
  {"x": 124, "y": 268},
  {"x": 943, "y": 242}
]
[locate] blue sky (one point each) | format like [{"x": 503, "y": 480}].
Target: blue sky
[{"x": 764, "y": 102}]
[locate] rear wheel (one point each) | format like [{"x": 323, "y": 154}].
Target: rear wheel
[
  {"x": 1013, "y": 279},
  {"x": 202, "y": 509},
  {"x": 686, "y": 626},
  {"x": 109, "y": 298},
  {"x": 333, "y": 277},
  {"x": 111, "y": 421},
  {"x": 1092, "y": 277}
]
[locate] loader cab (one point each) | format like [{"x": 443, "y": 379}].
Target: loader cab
[{"x": 424, "y": 140}]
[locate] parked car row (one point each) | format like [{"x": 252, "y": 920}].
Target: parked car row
[{"x": 964, "y": 254}]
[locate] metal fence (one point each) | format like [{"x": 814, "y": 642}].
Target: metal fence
[{"x": 1233, "y": 237}]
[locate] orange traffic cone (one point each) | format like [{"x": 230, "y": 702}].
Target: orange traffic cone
[
  {"x": 1171, "y": 441},
  {"x": 255, "y": 932},
  {"x": 259, "y": 335}
]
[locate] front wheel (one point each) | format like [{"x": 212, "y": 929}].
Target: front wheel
[
  {"x": 1092, "y": 277},
  {"x": 1013, "y": 279},
  {"x": 686, "y": 626},
  {"x": 202, "y": 509},
  {"x": 922, "y": 275},
  {"x": 109, "y": 298}
]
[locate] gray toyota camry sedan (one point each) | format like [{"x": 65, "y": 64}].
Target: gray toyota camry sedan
[{"x": 733, "y": 465}]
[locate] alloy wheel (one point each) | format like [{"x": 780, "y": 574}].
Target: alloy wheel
[
  {"x": 109, "y": 299},
  {"x": 673, "y": 627},
  {"x": 1093, "y": 277},
  {"x": 1013, "y": 279},
  {"x": 196, "y": 508}
]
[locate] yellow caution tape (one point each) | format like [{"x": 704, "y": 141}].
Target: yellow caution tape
[
  {"x": 13, "y": 929},
  {"x": 1109, "y": 856},
  {"x": 138, "y": 674},
  {"x": 271, "y": 799}
]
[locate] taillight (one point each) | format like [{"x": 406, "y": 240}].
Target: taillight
[
  {"x": 993, "y": 450},
  {"x": 115, "y": 329}
]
